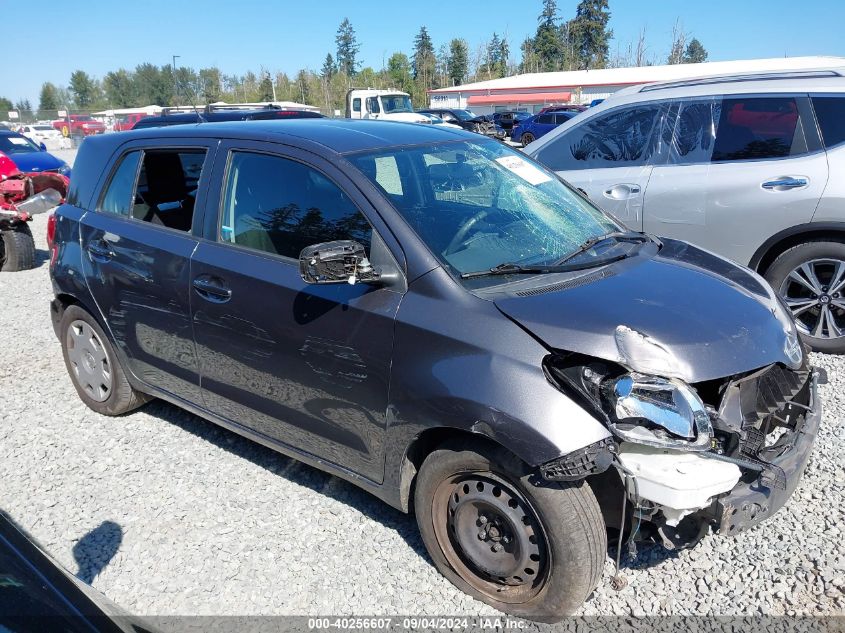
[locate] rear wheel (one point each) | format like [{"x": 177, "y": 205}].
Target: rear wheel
[
  {"x": 93, "y": 365},
  {"x": 534, "y": 551},
  {"x": 17, "y": 249},
  {"x": 811, "y": 279},
  {"x": 527, "y": 138}
]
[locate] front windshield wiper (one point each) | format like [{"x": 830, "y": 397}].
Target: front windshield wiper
[
  {"x": 509, "y": 268},
  {"x": 619, "y": 236},
  {"x": 560, "y": 266}
]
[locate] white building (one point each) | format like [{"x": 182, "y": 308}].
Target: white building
[{"x": 533, "y": 91}]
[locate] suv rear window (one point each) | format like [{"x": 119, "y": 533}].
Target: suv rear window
[
  {"x": 738, "y": 129},
  {"x": 830, "y": 113},
  {"x": 624, "y": 136}
]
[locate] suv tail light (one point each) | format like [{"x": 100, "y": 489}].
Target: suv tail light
[{"x": 51, "y": 237}]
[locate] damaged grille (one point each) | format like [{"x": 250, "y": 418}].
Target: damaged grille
[{"x": 767, "y": 409}]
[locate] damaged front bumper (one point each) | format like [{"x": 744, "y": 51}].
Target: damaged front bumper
[
  {"x": 749, "y": 503},
  {"x": 685, "y": 494}
]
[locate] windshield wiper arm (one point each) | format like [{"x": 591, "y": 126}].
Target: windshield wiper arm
[
  {"x": 510, "y": 268},
  {"x": 621, "y": 236}
]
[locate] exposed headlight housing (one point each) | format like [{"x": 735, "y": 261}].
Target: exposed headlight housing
[
  {"x": 660, "y": 412},
  {"x": 636, "y": 407},
  {"x": 64, "y": 169}
]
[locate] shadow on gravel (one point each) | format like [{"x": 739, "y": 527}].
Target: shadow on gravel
[
  {"x": 294, "y": 471},
  {"x": 42, "y": 256},
  {"x": 94, "y": 551}
]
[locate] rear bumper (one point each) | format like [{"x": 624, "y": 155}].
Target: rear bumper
[{"x": 747, "y": 504}]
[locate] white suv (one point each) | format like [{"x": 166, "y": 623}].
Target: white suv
[{"x": 745, "y": 166}]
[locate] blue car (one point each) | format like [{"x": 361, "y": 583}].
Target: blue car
[
  {"x": 28, "y": 156},
  {"x": 536, "y": 126}
]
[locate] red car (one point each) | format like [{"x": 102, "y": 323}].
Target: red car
[
  {"x": 79, "y": 125},
  {"x": 128, "y": 121}
]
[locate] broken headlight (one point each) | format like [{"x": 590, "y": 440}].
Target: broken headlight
[
  {"x": 636, "y": 407},
  {"x": 655, "y": 411}
]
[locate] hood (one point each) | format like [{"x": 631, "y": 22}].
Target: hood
[
  {"x": 683, "y": 312},
  {"x": 36, "y": 161},
  {"x": 407, "y": 117}
]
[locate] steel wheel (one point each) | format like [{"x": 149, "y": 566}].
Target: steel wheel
[
  {"x": 490, "y": 533},
  {"x": 815, "y": 292},
  {"x": 89, "y": 361}
]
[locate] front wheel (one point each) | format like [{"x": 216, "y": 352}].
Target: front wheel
[
  {"x": 17, "y": 249},
  {"x": 532, "y": 551},
  {"x": 527, "y": 138},
  {"x": 811, "y": 279}
]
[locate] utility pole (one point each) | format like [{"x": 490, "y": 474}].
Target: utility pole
[{"x": 175, "y": 83}]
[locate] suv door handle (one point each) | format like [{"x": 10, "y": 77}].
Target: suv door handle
[
  {"x": 212, "y": 289},
  {"x": 785, "y": 183},
  {"x": 100, "y": 250},
  {"x": 623, "y": 191}
]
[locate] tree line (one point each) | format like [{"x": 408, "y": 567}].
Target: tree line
[{"x": 580, "y": 42}]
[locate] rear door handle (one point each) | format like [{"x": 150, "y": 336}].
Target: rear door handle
[
  {"x": 622, "y": 191},
  {"x": 100, "y": 250},
  {"x": 212, "y": 289},
  {"x": 786, "y": 183}
]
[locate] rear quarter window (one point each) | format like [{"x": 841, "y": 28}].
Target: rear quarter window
[{"x": 830, "y": 113}]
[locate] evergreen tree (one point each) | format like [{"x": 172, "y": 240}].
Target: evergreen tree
[
  {"x": 83, "y": 88},
  {"x": 424, "y": 60},
  {"x": 210, "y": 84},
  {"x": 695, "y": 53},
  {"x": 347, "y": 48},
  {"x": 589, "y": 33},
  {"x": 303, "y": 91},
  {"x": 120, "y": 89},
  {"x": 547, "y": 44},
  {"x": 458, "y": 61},
  {"x": 5, "y": 104},
  {"x": 328, "y": 70},
  {"x": 49, "y": 97},
  {"x": 265, "y": 88}
]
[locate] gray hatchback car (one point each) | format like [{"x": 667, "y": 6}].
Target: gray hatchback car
[
  {"x": 744, "y": 166},
  {"x": 443, "y": 322}
]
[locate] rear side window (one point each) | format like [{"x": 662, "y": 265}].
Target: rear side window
[
  {"x": 117, "y": 197},
  {"x": 280, "y": 206},
  {"x": 830, "y": 113},
  {"x": 622, "y": 137},
  {"x": 356, "y": 104},
  {"x": 167, "y": 188},
  {"x": 546, "y": 118},
  {"x": 738, "y": 129}
]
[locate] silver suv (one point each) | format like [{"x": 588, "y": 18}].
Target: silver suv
[{"x": 745, "y": 166}]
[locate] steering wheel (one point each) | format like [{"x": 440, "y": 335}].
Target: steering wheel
[{"x": 463, "y": 230}]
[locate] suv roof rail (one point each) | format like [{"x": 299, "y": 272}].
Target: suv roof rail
[{"x": 761, "y": 76}]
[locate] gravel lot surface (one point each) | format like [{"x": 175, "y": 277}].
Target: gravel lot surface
[{"x": 168, "y": 514}]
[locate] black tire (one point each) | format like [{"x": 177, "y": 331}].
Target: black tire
[
  {"x": 17, "y": 249},
  {"x": 120, "y": 397},
  {"x": 562, "y": 522},
  {"x": 822, "y": 257},
  {"x": 527, "y": 138}
]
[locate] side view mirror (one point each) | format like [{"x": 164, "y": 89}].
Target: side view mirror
[
  {"x": 339, "y": 262},
  {"x": 43, "y": 147}
]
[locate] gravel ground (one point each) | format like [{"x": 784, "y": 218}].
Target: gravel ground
[{"x": 168, "y": 514}]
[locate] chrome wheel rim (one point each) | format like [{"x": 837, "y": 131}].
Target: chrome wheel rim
[
  {"x": 88, "y": 360},
  {"x": 815, "y": 293}
]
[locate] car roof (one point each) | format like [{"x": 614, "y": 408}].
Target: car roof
[{"x": 340, "y": 136}]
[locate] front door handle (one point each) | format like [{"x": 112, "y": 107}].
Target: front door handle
[
  {"x": 786, "y": 183},
  {"x": 100, "y": 250},
  {"x": 623, "y": 191},
  {"x": 212, "y": 289}
]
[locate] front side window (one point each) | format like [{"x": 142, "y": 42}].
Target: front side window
[
  {"x": 117, "y": 197},
  {"x": 478, "y": 204},
  {"x": 622, "y": 137},
  {"x": 280, "y": 206},
  {"x": 167, "y": 187},
  {"x": 830, "y": 113},
  {"x": 737, "y": 129},
  {"x": 372, "y": 105}
]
